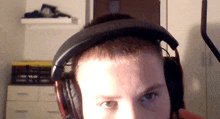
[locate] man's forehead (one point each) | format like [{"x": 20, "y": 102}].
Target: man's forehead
[
  {"x": 140, "y": 60},
  {"x": 128, "y": 71},
  {"x": 138, "y": 65},
  {"x": 139, "y": 92},
  {"x": 95, "y": 57}
]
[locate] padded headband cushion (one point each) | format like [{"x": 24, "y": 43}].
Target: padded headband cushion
[{"x": 99, "y": 33}]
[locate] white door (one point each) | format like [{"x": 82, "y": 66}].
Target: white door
[
  {"x": 201, "y": 68},
  {"x": 213, "y": 65},
  {"x": 184, "y": 17}
]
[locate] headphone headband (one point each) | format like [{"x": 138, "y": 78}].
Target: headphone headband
[{"x": 100, "y": 33}]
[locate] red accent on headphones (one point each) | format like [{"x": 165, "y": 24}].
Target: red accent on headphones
[{"x": 57, "y": 87}]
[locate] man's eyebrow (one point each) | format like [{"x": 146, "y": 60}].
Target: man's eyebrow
[
  {"x": 153, "y": 87},
  {"x": 106, "y": 97}
]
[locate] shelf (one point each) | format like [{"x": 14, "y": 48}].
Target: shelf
[{"x": 49, "y": 21}]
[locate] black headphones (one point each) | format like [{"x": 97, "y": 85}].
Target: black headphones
[{"x": 68, "y": 91}]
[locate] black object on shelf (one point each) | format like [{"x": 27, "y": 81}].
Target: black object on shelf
[
  {"x": 34, "y": 14},
  {"x": 47, "y": 11}
]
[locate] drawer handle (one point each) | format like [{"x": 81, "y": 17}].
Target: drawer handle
[
  {"x": 21, "y": 111},
  {"x": 53, "y": 112},
  {"x": 51, "y": 94},
  {"x": 22, "y": 94}
]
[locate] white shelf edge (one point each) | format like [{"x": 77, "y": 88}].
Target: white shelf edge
[
  {"x": 49, "y": 21},
  {"x": 52, "y": 26}
]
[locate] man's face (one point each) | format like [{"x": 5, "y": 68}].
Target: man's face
[{"x": 124, "y": 88}]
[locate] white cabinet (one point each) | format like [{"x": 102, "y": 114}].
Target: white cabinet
[
  {"x": 22, "y": 93},
  {"x": 47, "y": 94},
  {"x": 48, "y": 110},
  {"x": 32, "y": 102},
  {"x": 21, "y": 110}
]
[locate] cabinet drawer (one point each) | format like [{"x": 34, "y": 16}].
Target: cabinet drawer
[
  {"x": 47, "y": 93},
  {"x": 22, "y": 93},
  {"x": 21, "y": 110},
  {"x": 32, "y": 110},
  {"x": 49, "y": 110}
]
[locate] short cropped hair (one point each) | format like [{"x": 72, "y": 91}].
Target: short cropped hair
[{"x": 118, "y": 47}]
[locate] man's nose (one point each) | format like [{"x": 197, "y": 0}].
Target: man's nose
[{"x": 130, "y": 112}]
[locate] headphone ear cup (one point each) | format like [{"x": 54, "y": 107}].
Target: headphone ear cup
[
  {"x": 63, "y": 98},
  {"x": 174, "y": 81},
  {"x": 64, "y": 90},
  {"x": 74, "y": 93}
]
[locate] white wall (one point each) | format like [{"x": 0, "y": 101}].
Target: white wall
[
  {"x": 33, "y": 42},
  {"x": 201, "y": 80},
  {"x": 11, "y": 42},
  {"x": 42, "y": 41},
  {"x": 213, "y": 66},
  {"x": 184, "y": 24}
]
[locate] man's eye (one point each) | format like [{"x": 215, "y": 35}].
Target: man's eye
[
  {"x": 149, "y": 97},
  {"x": 109, "y": 104},
  {"x": 150, "y": 101}
]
